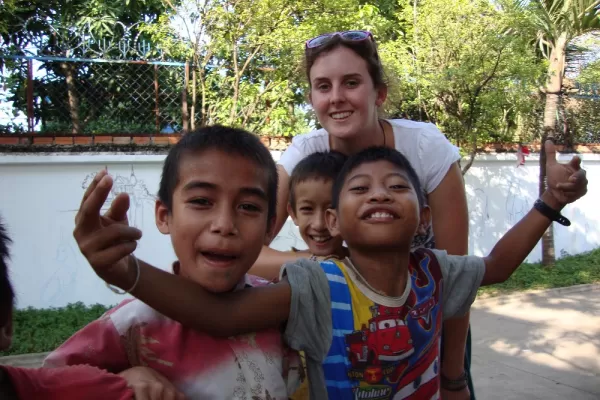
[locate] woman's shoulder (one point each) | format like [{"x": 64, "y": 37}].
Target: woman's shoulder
[
  {"x": 304, "y": 145},
  {"x": 427, "y": 148},
  {"x": 409, "y": 134},
  {"x": 414, "y": 129},
  {"x": 315, "y": 138}
]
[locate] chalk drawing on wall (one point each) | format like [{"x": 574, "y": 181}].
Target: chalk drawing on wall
[
  {"x": 64, "y": 276},
  {"x": 288, "y": 238},
  {"x": 479, "y": 212},
  {"x": 139, "y": 195},
  {"x": 516, "y": 206}
]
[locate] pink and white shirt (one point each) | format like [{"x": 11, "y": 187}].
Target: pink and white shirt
[{"x": 252, "y": 366}]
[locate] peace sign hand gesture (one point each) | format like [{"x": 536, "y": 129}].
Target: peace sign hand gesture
[{"x": 106, "y": 241}]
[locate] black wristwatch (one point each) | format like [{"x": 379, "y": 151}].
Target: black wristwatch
[{"x": 551, "y": 213}]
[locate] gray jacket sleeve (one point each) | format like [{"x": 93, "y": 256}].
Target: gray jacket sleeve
[
  {"x": 462, "y": 277},
  {"x": 309, "y": 326}
]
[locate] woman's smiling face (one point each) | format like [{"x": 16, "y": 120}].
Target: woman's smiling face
[{"x": 343, "y": 94}]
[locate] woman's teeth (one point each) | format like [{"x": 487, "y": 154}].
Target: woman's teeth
[{"x": 341, "y": 115}]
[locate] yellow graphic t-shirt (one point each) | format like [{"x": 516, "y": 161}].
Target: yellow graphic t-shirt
[{"x": 383, "y": 347}]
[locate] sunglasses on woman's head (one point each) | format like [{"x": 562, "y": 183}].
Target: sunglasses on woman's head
[{"x": 352, "y": 36}]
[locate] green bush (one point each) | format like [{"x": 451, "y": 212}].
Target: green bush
[
  {"x": 100, "y": 125},
  {"x": 41, "y": 330},
  {"x": 580, "y": 269}
]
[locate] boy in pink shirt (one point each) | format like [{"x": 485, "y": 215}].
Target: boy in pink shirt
[{"x": 217, "y": 202}]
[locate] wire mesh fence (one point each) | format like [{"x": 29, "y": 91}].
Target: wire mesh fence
[
  {"x": 51, "y": 95},
  {"x": 94, "y": 96}
]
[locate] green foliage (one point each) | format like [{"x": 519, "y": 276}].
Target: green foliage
[
  {"x": 463, "y": 69},
  {"x": 568, "y": 271},
  {"x": 41, "y": 330},
  {"x": 590, "y": 74},
  {"x": 249, "y": 72},
  {"x": 472, "y": 69},
  {"x": 102, "y": 125}
]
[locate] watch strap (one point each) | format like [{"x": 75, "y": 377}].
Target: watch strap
[
  {"x": 551, "y": 213},
  {"x": 455, "y": 385}
]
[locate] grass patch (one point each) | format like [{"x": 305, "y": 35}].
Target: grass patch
[
  {"x": 41, "y": 330},
  {"x": 580, "y": 269}
]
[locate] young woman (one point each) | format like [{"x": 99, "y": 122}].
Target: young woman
[{"x": 347, "y": 89}]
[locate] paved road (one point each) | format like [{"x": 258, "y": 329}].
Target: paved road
[{"x": 542, "y": 345}]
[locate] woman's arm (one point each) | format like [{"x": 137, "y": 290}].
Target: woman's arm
[
  {"x": 451, "y": 230},
  {"x": 283, "y": 196},
  {"x": 270, "y": 261},
  {"x": 449, "y": 213}
]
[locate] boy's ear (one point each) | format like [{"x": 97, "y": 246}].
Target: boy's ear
[
  {"x": 270, "y": 235},
  {"x": 161, "y": 215},
  {"x": 424, "y": 220},
  {"x": 331, "y": 220},
  {"x": 6, "y": 333},
  {"x": 292, "y": 213}
]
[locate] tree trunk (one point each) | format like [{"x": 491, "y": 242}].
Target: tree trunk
[
  {"x": 73, "y": 98},
  {"x": 236, "y": 86},
  {"x": 472, "y": 153},
  {"x": 553, "y": 88}
]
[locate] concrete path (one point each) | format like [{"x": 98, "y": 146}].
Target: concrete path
[
  {"x": 539, "y": 345},
  {"x": 25, "y": 360}
]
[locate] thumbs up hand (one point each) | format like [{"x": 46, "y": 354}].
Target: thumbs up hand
[{"x": 566, "y": 183}]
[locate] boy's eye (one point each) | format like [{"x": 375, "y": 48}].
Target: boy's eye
[
  {"x": 306, "y": 209},
  {"x": 398, "y": 187},
  {"x": 358, "y": 189},
  {"x": 200, "y": 202},
  {"x": 250, "y": 207},
  {"x": 352, "y": 83}
]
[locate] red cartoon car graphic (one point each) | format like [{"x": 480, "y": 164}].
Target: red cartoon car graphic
[{"x": 386, "y": 340}]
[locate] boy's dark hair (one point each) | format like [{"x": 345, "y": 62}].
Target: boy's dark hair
[
  {"x": 228, "y": 140},
  {"x": 321, "y": 165},
  {"x": 373, "y": 154},
  {"x": 6, "y": 290}
]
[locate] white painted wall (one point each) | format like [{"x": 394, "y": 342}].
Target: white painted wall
[{"x": 40, "y": 194}]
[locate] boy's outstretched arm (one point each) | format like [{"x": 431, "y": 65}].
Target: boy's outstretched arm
[
  {"x": 565, "y": 184},
  {"x": 107, "y": 244},
  {"x": 270, "y": 261},
  {"x": 224, "y": 314}
]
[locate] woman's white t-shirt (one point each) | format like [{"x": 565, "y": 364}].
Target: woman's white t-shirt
[{"x": 422, "y": 143}]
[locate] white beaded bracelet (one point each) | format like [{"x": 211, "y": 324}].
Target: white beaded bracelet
[{"x": 137, "y": 279}]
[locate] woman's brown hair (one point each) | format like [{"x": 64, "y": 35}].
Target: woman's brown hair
[{"x": 365, "y": 49}]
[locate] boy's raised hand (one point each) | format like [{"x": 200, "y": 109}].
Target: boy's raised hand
[
  {"x": 106, "y": 241},
  {"x": 565, "y": 182}
]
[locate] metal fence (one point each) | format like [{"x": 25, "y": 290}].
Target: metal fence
[{"x": 56, "y": 95}]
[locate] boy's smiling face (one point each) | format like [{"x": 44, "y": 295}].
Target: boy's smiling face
[
  {"x": 313, "y": 198},
  {"x": 218, "y": 222},
  {"x": 378, "y": 208}
]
